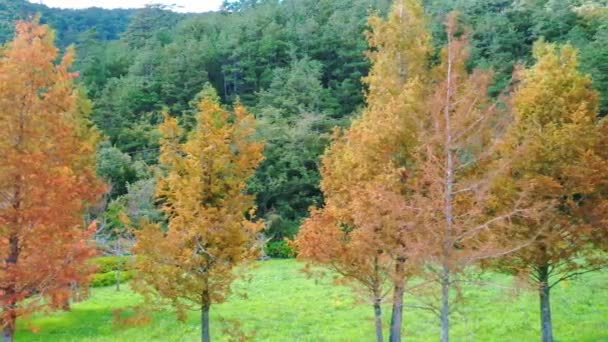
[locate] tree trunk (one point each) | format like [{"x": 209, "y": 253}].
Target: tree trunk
[
  {"x": 117, "y": 275},
  {"x": 397, "y": 313},
  {"x": 10, "y": 317},
  {"x": 7, "y": 334},
  {"x": 205, "y": 336},
  {"x": 377, "y": 293},
  {"x": 445, "y": 304},
  {"x": 206, "y": 301},
  {"x": 8, "y": 322},
  {"x": 545, "y": 305},
  {"x": 65, "y": 306},
  {"x": 378, "y": 320},
  {"x": 448, "y": 242},
  {"x": 8, "y": 330},
  {"x": 117, "y": 253}
]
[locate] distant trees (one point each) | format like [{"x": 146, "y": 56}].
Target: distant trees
[
  {"x": 152, "y": 21},
  {"x": 296, "y": 124},
  {"x": 210, "y": 226},
  {"x": 47, "y": 176},
  {"x": 69, "y": 23},
  {"x": 116, "y": 168},
  {"x": 504, "y": 31}
]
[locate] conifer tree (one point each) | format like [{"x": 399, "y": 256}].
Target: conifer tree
[
  {"x": 47, "y": 176},
  {"x": 557, "y": 143},
  {"x": 364, "y": 232},
  {"x": 210, "y": 228},
  {"x": 451, "y": 173}
]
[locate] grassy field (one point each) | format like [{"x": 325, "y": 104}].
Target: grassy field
[{"x": 284, "y": 305}]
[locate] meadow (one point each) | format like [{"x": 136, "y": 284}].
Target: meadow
[{"x": 283, "y": 304}]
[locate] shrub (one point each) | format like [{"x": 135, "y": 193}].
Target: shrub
[
  {"x": 280, "y": 249},
  {"x": 107, "y": 264},
  {"x": 109, "y": 278}
]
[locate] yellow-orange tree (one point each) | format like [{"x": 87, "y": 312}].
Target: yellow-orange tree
[
  {"x": 209, "y": 231},
  {"x": 365, "y": 232},
  {"x": 46, "y": 176},
  {"x": 556, "y": 142}
]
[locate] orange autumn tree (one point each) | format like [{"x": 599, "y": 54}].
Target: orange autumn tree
[
  {"x": 47, "y": 176},
  {"x": 364, "y": 232},
  {"x": 210, "y": 229},
  {"x": 452, "y": 172},
  {"x": 558, "y": 142}
]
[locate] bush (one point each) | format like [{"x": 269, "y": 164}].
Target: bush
[
  {"x": 109, "y": 278},
  {"x": 280, "y": 249},
  {"x": 107, "y": 264}
]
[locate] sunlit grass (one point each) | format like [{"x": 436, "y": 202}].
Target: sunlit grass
[{"x": 284, "y": 305}]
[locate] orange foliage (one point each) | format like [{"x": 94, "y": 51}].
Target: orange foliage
[
  {"x": 46, "y": 177},
  {"x": 557, "y": 147},
  {"x": 365, "y": 232},
  {"x": 558, "y": 143},
  {"x": 209, "y": 214}
]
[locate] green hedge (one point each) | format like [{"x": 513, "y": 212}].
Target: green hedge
[
  {"x": 109, "y": 278},
  {"x": 279, "y": 249},
  {"x": 107, "y": 264}
]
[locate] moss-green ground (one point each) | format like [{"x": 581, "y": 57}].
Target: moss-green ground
[{"x": 284, "y": 305}]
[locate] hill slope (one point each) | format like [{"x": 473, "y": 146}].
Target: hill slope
[{"x": 108, "y": 24}]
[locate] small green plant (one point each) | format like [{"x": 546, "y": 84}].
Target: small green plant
[
  {"x": 280, "y": 249},
  {"x": 107, "y": 264},
  {"x": 109, "y": 278}
]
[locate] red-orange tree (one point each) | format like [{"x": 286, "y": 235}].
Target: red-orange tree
[
  {"x": 407, "y": 184},
  {"x": 209, "y": 231},
  {"x": 452, "y": 172},
  {"x": 558, "y": 142},
  {"x": 46, "y": 176},
  {"x": 365, "y": 231}
]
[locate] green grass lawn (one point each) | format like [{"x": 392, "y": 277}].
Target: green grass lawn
[{"x": 284, "y": 305}]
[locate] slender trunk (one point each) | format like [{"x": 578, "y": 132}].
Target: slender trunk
[
  {"x": 205, "y": 336},
  {"x": 118, "y": 265},
  {"x": 445, "y": 304},
  {"x": 8, "y": 305},
  {"x": 8, "y": 323},
  {"x": 65, "y": 306},
  {"x": 377, "y": 292},
  {"x": 545, "y": 305},
  {"x": 8, "y": 330},
  {"x": 225, "y": 85},
  {"x": 397, "y": 313},
  {"x": 402, "y": 73},
  {"x": 447, "y": 243},
  {"x": 117, "y": 274},
  {"x": 378, "y": 320}
]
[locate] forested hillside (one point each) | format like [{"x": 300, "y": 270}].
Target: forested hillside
[
  {"x": 297, "y": 64},
  {"x": 70, "y": 25}
]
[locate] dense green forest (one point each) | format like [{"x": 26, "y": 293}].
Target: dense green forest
[
  {"x": 69, "y": 24},
  {"x": 297, "y": 64}
]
